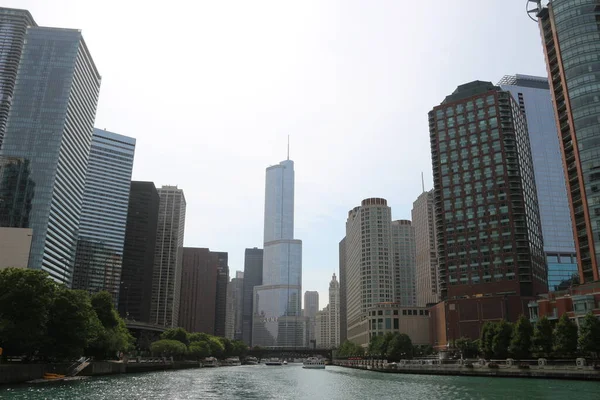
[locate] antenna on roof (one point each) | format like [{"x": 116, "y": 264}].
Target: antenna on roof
[
  {"x": 423, "y": 181},
  {"x": 288, "y": 153}
]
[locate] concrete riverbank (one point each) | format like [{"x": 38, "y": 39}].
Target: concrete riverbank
[{"x": 587, "y": 373}]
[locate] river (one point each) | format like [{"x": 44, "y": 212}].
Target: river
[{"x": 293, "y": 382}]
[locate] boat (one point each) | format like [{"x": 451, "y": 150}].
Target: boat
[
  {"x": 251, "y": 361},
  {"x": 284, "y": 362},
  {"x": 273, "y": 362},
  {"x": 231, "y": 362},
  {"x": 210, "y": 362},
  {"x": 313, "y": 363}
]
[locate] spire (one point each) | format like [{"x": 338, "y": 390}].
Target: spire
[
  {"x": 288, "y": 154},
  {"x": 423, "y": 181}
]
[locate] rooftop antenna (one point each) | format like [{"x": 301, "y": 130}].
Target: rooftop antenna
[
  {"x": 423, "y": 181},
  {"x": 288, "y": 154}
]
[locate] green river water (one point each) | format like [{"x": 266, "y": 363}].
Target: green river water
[{"x": 293, "y": 382}]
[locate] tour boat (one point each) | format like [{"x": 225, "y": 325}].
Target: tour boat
[
  {"x": 273, "y": 361},
  {"x": 313, "y": 363},
  {"x": 231, "y": 362},
  {"x": 251, "y": 361},
  {"x": 210, "y": 362},
  {"x": 284, "y": 362}
]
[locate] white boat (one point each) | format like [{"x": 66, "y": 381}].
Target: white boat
[
  {"x": 284, "y": 362},
  {"x": 313, "y": 363},
  {"x": 273, "y": 361},
  {"x": 251, "y": 361},
  {"x": 210, "y": 362},
  {"x": 231, "y": 362}
]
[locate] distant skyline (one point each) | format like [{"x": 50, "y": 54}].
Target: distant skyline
[{"x": 213, "y": 93}]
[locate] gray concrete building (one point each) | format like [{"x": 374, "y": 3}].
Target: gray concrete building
[{"x": 253, "y": 263}]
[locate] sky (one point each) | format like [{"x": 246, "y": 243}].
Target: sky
[{"x": 212, "y": 89}]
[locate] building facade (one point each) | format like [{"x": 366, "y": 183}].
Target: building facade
[
  {"x": 488, "y": 229},
  {"x": 138, "y": 252},
  {"x": 14, "y": 24},
  {"x": 221, "y": 302},
  {"x": 343, "y": 291},
  {"x": 393, "y": 318},
  {"x": 533, "y": 95},
  {"x": 17, "y": 189},
  {"x": 253, "y": 263},
  {"x": 277, "y": 308},
  {"x": 235, "y": 295},
  {"x": 99, "y": 255},
  {"x": 426, "y": 269},
  {"x": 404, "y": 262},
  {"x": 311, "y": 307},
  {"x": 166, "y": 275},
  {"x": 328, "y": 320},
  {"x": 575, "y": 302},
  {"x": 15, "y": 244},
  {"x": 50, "y": 125},
  {"x": 369, "y": 264},
  {"x": 198, "y": 302},
  {"x": 569, "y": 33}
]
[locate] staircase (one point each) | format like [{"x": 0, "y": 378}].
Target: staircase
[{"x": 78, "y": 366}]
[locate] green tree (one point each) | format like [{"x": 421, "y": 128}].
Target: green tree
[
  {"x": 400, "y": 347},
  {"x": 26, "y": 296},
  {"x": 377, "y": 346},
  {"x": 501, "y": 339},
  {"x": 103, "y": 305},
  {"x": 198, "y": 337},
  {"x": 240, "y": 348},
  {"x": 350, "y": 349},
  {"x": 178, "y": 334},
  {"x": 589, "y": 335},
  {"x": 199, "y": 350},
  {"x": 488, "y": 331},
  {"x": 167, "y": 348},
  {"x": 111, "y": 335},
  {"x": 467, "y": 347},
  {"x": 565, "y": 337},
  {"x": 217, "y": 349},
  {"x": 227, "y": 347},
  {"x": 542, "y": 337},
  {"x": 520, "y": 343}
]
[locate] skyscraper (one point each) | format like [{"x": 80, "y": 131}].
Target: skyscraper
[
  {"x": 253, "y": 263},
  {"x": 311, "y": 306},
  {"x": 138, "y": 252},
  {"x": 426, "y": 271},
  {"x": 343, "y": 291},
  {"x": 50, "y": 125},
  {"x": 166, "y": 276},
  {"x": 235, "y": 295},
  {"x": 277, "y": 320},
  {"x": 221, "y": 302},
  {"x": 369, "y": 264},
  {"x": 14, "y": 25},
  {"x": 533, "y": 95},
  {"x": 488, "y": 229},
  {"x": 404, "y": 263},
  {"x": 569, "y": 31},
  {"x": 328, "y": 319},
  {"x": 99, "y": 255}
]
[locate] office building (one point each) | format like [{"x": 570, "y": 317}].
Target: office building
[
  {"x": 138, "y": 252},
  {"x": 235, "y": 297},
  {"x": 343, "y": 289},
  {"x": 50, "y": 125},
  {"x": 387, "y": 318},
  {"x": 253, "y": 263},
  {"x": 277, "y": 317},
  {"x": 534, "y": 98},
  {"x": 328, "y": 319},
  {"x": 99, "y": 255},
  {"x": 14, "y": 25},
  {"x": 369, "y": 264},
  {"x": 488, "y": 229},
  {"x": 311, "y": 307},
  {"x": 569, "y": 33},
  {"x": 221, "y": 301},
  {"x": 426, "y": 270},
  {"x": 15, "y": 244},
  {"x": 404, "y": 263},
  {"x": 16, "y": 192},
  {"x": 166, "y": 275},
  {"x": 198, "y": 301}
]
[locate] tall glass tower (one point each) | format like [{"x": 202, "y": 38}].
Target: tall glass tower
[
  {"x": 50, "y": 126},
  {"x": 99, "y": 255},
  {"x": 277, "y": 320}
]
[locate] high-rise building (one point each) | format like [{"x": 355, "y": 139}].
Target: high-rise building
[
  {"x": 569, "y": 31},
  {"x": 166, "y": 275},
  {"x": 343, "y": 289},
  {"x": 198, "y": 301},
  {"x": 221, "y": 301},
  {"x": 369, "y": 264},
  {"x": 235, "y": 295},
  {"x": 328, "y": 319},
  {"x": 253, "y": 263},
  {"x": 488, "y": 229},
  {"x": 99, "y": 255},
  {"x": 277, "y": 317},
  {"x": 534, "y": 98},
  {"x": 16, "y": 192},
  {"x": 404, "y": 263},
  {"x": 138, "y": 252},
  {"x": 50, "y": 125},
  {"x": 14, "y": 25},
  {"x": 311, "y": 307},
  {"x": 426, "y": 271}
]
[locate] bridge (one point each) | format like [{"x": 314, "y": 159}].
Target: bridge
[{"x": 289, "y": 352}]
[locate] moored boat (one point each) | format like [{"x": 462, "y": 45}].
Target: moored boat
[
  {"x": 209, "y": 362},
  {"x": 313, "y": 363},
  {"x": 231, "y": 362},
  {"x": 251, "y": 361},
  {"x": 273, "y": 362}
]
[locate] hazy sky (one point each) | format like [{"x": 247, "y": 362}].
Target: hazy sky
[{"x": 211, "y": 89}]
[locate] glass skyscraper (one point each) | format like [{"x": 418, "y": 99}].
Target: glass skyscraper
[
  {"x": 404, "y": 264},
  {"x": 277, "y": 320},
  {"x": 533, "y": 96},
  {"x": 99, "y": 255},
  {"x": 50, "y": 126}
]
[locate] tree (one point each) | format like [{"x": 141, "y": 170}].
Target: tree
[
  {"x": 26, "y": 296},
  {"x": 198, "y": 337},
  {"x": 520, "y": 343},
  {"x": 167, "y": 348},
  {"x": 217, "y": 349},
  {"x": 377, "y": 346},
  {"x": 399, "y": 347},
  {"x": 103, "y": 305},
  {"x": 501, "y": 339},
  {"x": 227, "y": 347},
  {"x": 467, "y": 347},
  {"x": 350, "y": 349},
  {"x": 487, "y": 335},
  {"x": 199, "y": 350},
  {"x": 240, "y": 348},
  {"x": 565, "y": 337},
  {"x": 542, "y": 337},
  {"x": 178, "y": 334},
  {"x": 111, "y": 335},
  {"x": 589, "y": 335}
]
